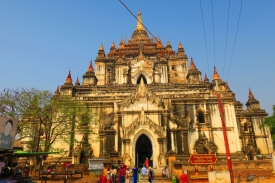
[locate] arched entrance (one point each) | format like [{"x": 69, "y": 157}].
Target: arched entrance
[
  {"x": 144, "y": 79},
  {"x": 143, "y": 150}
]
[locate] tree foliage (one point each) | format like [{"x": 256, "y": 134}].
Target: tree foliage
[
  {"x": 45, "y": 118},
  {"x": 270, "y": 122}
]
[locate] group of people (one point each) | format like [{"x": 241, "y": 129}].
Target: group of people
[
  {"x": 147, "y": 172},
  {"x": 123, "y": 174},
  {"x": 11, "y": 170}
]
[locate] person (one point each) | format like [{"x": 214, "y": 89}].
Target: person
[
  {"x": 143, "y": 173},
  {"x": 2, "y": 164},
  {"x": 150, "y": 175},
  {"x": 102, "y": 178},
  {"x": 6, "y": 140},
  {"x": 109, "y": 177},
  {"x": 26, "y": 170},
  {"x": 167, "y": 173},
  {"x": 128, "y": 175},
  {"x": 163, "y": 171},
  {"x": 122, "y": 174},
  {"x": 5, "y": 172},
  {"x": 146, "y": 163},
  {"x": 114, "y": 175},
  {"x": 18, "y": 171},
  {"x": 184, "y": 177},
  {"x": 135, "y": 174}
]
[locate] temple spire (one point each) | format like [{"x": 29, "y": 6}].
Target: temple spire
[
  {"x": 90, "y": 68},
  {"x": 206, "y": 78},
  {"x": 192, "y": 64},
  {"x": 69, "y": 78},
  {"x": 139, "y": 22},
  {"x": 215, "y": 75},
  {"x": 250, "y": 94}
]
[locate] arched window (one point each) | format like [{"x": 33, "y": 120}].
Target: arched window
[
  {"x": 173, "y": 67},
  {"x": 201, "y": 117},
  {"x": 144, "y": 79}
]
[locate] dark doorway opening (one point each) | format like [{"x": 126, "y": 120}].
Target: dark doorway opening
[
  {"x": 143, "y": 150},
  {"x": 144, "y": 79},
  {"x": 82, "y": 158}
]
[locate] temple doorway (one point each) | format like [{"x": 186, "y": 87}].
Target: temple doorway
[{"x": 143, "y": 150}]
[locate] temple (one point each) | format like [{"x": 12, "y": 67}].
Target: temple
[{"x": 151, "y": 100}]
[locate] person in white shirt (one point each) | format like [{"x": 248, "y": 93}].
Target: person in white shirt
[{"x": 143, "y": 173}]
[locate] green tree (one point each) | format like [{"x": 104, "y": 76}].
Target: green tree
[
  {"x": 45, "y": 118},
  {"x": 270, "y": 122}
]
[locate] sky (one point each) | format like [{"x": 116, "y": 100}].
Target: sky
[{"x": 40, "y": 41}]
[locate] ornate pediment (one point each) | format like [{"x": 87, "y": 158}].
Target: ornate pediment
[
  {"x": 142, "y": 91},
  {"x": 142, "y": 120},
  {"x": 203, "y": 146}
]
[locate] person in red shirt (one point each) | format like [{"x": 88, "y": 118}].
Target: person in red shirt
[
  {"x": 122, "y": 174},
  {"x": 146, "y": 163},
  {"x": 102, "y": 178},
  {"x": 184, "y": 177}
]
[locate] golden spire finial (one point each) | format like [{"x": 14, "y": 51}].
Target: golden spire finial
[
  {"x": 139, "y": 22},
  {"x": 101, "y": 47},
  {"x": 180, "y": 45}
]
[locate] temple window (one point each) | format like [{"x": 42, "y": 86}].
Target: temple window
[
  {"x": 173, "y": 67},
  {"x": 109, "y": 69},
  {"x": 201, "y": 117}
]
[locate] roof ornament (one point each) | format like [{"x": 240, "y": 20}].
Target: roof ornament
[
  {"x": 192, "y": 65},
  {"x": 139, "y": 22},
  {"x": 90, "y": 68},
  {"x": 206, "y": 78},
  {"x": 215, "y": 75},
  {"x": 69, "y": 78},
  {"x": 101, "y": 47},
  {"x": 250, "y": 94}
]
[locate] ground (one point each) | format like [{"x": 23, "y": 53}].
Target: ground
[{"x": 93, "y": 179}]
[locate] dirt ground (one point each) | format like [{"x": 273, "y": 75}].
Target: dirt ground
[{"x": 93, "y": 179}]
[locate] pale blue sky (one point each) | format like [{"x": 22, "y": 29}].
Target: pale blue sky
[{"x": 41, "y": 40}]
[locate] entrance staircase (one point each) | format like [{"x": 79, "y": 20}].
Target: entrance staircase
[{"x": 158, "y": 177}]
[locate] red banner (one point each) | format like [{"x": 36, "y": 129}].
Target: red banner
[{"x": 204, "y": 159}]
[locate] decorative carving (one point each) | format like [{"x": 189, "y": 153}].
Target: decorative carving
[
  {"x": 108, "y": 121},
  {"x": 250, "y": 150},
  {"x": 161, "y": 159},
  {"x": 181, "y": 120},
  {"x": 126, "y": 131},
  {"x": 142, "y": 116},
  {"x": 122, "y": 132},
  {"x": 77, "y": 150},
  {"x": 203, "y": 146},
  {"x": 127, "y": 158},
  {"x": 142, "y": 92}
]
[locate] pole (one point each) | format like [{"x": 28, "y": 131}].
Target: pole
[{"x": 227, "y": 150}]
